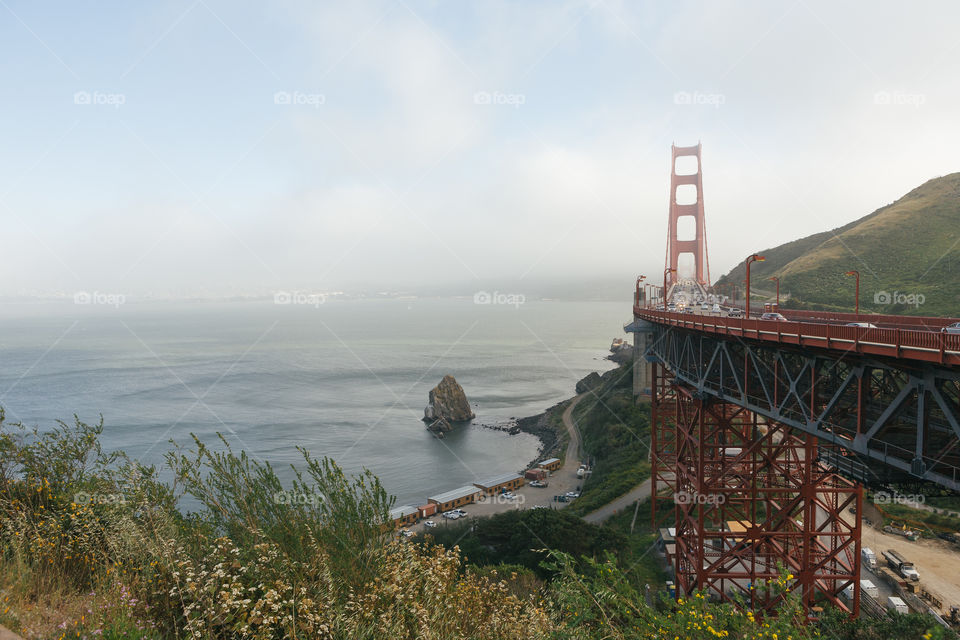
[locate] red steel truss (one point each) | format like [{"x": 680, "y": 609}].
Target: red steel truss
[
  {"x": 752, "y": 502},
  {"x": 663, "y": 442}
]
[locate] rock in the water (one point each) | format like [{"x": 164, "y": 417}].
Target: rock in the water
[
  {"x": 440, "y": 425},
  {"x": 589, "y": 383},
  {"x": 448, "y": 403}
]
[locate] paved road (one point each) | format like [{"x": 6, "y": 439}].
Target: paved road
[
  {"x": 573, "y": 448},
  {"x": 640, "y": 492}
]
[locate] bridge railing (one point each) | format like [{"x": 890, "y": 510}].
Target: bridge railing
[
  {"x": 917, "y": 343},
  {"x": 874, "y": 318}
]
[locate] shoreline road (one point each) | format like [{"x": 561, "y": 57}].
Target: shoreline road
[
  {"x": 572, "y": 455},
  {"x": 560, "y": 482},
  {"x": 640, "y": 492}
]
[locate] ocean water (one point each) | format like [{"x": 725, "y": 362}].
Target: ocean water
[{"x": 345, "y": 379}]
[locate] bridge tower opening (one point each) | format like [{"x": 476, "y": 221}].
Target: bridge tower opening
[{"x": 686, "y": 200}]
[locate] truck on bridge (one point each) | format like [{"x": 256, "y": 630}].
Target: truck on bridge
[{"x": 901, "y": 565}]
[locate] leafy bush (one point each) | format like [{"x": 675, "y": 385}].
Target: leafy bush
[{"x": 521, "y": 537}]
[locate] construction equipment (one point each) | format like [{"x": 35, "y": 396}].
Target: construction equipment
[{"x": 909, "y": 534}]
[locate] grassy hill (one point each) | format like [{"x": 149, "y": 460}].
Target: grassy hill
[{"x": 911, "y": 247}]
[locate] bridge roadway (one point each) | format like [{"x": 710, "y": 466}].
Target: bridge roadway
[
  {"x": 911, "y": 340},
  {"x": 888, "y": 391}
]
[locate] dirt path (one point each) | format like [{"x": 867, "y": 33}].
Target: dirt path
[{"x": 937, "y": 561}]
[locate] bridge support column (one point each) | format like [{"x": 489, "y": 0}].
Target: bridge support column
[
  {"x": 752, "y": 503},
  {"x": 663, "y": 448},
  {"x": 642, "y": 339}
]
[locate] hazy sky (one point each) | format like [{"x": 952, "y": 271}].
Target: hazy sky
[{"x": 145, "y": 146}]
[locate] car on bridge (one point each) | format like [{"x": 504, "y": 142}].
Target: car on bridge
[
  {"x": 952, "y": 328},
  {"x": 773, "y": 316},
  {"x": 862, "y": 325}
]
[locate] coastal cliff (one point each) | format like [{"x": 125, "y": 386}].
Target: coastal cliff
[{"x": 447, "y": 403}]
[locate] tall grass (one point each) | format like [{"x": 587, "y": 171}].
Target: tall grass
[{"x": 92, "y": 545}]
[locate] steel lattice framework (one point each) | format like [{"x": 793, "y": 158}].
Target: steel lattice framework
[
  {"x": 753, "y": 502},
  {"x": 901, "y": 418}
]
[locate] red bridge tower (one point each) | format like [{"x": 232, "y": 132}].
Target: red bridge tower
[{"x": 698, "y": 245}]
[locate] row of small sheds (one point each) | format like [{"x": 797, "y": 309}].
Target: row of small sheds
[{"x": 470, "y": 493}]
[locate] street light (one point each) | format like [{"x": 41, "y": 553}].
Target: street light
[
  {"x": 857, "y": 294},
  {"x": 775, "y": 278},
  {"x": 753, "y": 258},
  {"x": 665, "y": 272}
]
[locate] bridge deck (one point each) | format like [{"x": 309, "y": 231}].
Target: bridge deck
[{"x": 915, "y": 343}]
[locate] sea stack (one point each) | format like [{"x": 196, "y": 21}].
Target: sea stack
[{"x": 447, "y": 403}]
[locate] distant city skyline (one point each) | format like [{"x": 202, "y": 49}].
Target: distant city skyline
[{"x": 209, "y": 148}]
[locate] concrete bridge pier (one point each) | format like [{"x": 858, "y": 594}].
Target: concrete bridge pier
[{"x": 642, "y": 339}]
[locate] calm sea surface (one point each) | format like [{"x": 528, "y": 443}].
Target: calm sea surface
[{"x": 345, "y": 379}]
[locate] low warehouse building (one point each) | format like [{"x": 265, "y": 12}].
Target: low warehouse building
[
  {"x": 455, "y": 498},
  {"x": 404, "y": 515},
  {"x": 498, "y": 484},
  {"x": 550, "y": 464},
  {"x": 536, "y": 474}
]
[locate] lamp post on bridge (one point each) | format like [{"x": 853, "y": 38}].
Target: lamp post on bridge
[
  {"x": 777, "y": 280},
  {"x": 665, "y": 272},
  {"x": 751, "y": 259},
  {"x": 857, "y": 294}
]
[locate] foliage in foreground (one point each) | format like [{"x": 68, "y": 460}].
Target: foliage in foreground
[
  {"x": 514, "y": 537},
  {"x": 93, "y": 546}
]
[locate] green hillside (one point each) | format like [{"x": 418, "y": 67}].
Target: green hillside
[{"x": 910, "y": 247}]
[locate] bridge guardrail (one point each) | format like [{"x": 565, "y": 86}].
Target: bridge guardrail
[{"x": 910, "y": 343}]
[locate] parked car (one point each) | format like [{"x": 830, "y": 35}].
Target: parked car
[
  {"x": 952, "y": 328},
  {"x": 537, "y": 483},
  {"x": 773, "y": 316},
  {"x": 862, "y": 325},
  {"x": 407, "y": 533},
  {"x": 430, "y": 523},
  {"x": 451, "y": 515}
]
